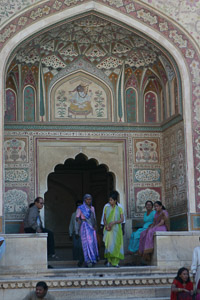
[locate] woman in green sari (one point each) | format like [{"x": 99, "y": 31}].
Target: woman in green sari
[{"x": 113, "y": 237}]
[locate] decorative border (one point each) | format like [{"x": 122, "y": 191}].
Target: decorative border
[
  {"x": 94, "y": 127},
  {"x": 91, "y": 283}
]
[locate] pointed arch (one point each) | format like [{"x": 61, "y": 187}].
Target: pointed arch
[
  {"x": 174, "y": 95},
  {"x": 131, "y": 105},
  {"x": 11, "y": 105},
  {"x": 29, "y": 103},
  {"x": 150, "y": 107}
]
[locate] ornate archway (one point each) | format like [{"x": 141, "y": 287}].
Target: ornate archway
[
  {"x": 69, "y": 183},
  {"x": 141, "y": 20}
]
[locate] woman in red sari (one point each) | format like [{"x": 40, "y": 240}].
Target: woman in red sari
[{"x": 182, "y": 287}]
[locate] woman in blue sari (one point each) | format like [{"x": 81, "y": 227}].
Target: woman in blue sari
[
  {"x": 148, "y": 220},
  {"x": 85, "y": 214}
]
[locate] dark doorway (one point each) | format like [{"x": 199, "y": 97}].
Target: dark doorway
[{"x": 67, "y": 184}]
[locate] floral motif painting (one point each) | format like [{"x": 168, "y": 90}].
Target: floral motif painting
[
  {"x": 81, "y": 97},
  {"x": 15, "y": 150},
  {"x": 146, "y": 194},
  {"x": 146, "y": 175},
  {"x": 16, "y": 175},
  {"x": 16, "y": 203},
  {"x": 147, "y": 151}
]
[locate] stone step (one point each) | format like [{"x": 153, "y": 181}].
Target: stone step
[
  {"x": 95, "y": 272},
  {"x": 122, "y": 298},
  {"x": 144, "y": 298},
  {"x": 93, "y": 283},
  {"x": 112, "y": 293},
  {"x": 71, "y": 267}
]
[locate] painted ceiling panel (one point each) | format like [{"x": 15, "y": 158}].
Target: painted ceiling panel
[{"x": 106, "y": 45}]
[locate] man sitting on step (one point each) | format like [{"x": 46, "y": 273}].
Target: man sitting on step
[
  {"x": 41, "y": 292},
  {"x": 33, "y": 224}
]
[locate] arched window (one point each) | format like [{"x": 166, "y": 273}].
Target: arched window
[
  {"x": 167, "y": 105},
  {"x": 131, "y": 105},
  {"x": 10, "y": 107},
  {"x": 151, "y": 107},
  {"x": 29, "y": 104},
  {"x": 175, "y": 96}
]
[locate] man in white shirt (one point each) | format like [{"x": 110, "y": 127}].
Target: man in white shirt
[{"x": 195, "y": 267}]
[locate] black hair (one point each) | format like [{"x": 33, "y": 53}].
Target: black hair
[
  {"x": 180, "y": 271},
  {"x": 43, "y": 285},
  {"x": 37, "y": 199},
  {"x": 78, "y": 201},
  {"x": 114, "y": 195},
  {"x": 160, "y": 204},
  {"x": 149, "y": 201},
  {"x": 31, "y": 204}
]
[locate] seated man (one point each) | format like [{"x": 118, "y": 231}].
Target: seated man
[
  {"x": 41, "y": 292},
  {"x": 33, "y": 223}
]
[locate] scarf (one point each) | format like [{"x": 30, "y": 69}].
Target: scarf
[{"x": 85, "y": 209}]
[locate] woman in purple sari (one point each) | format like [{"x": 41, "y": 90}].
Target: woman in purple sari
[
  {"x": 160, "y": 223},
  {"x": 85, "y": 214}
]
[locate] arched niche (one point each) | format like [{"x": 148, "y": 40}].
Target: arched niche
[
  {"x": 11, "y": 105},
  {"x": 68, "y": 183},
  {"x": 131, "y": 105},
  {"x": 81, "y": 96},
  {"x": 29, "y": 103},
  {"x": 151, "y": 107}
]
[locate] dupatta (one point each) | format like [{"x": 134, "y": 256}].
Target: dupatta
[
  {"x": 84, "y": 208},
  {"x": 163, "y": 216}
]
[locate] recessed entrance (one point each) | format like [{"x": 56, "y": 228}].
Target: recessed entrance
[{"x": 67, "y": 184}]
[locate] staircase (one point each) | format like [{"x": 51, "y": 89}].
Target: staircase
[{"x": 66, "y": 281}]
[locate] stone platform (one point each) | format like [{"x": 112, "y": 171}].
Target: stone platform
[
  {"x": 25, "y": 263},
  {"x": 93, "y": 283}
]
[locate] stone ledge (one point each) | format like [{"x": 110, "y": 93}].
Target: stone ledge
[
  {"x": 177, "y": 233},
  {"x": 11, "y": 236},
  {"x": 174, "y": 248},
  {"x": 24, "y": 253}
]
